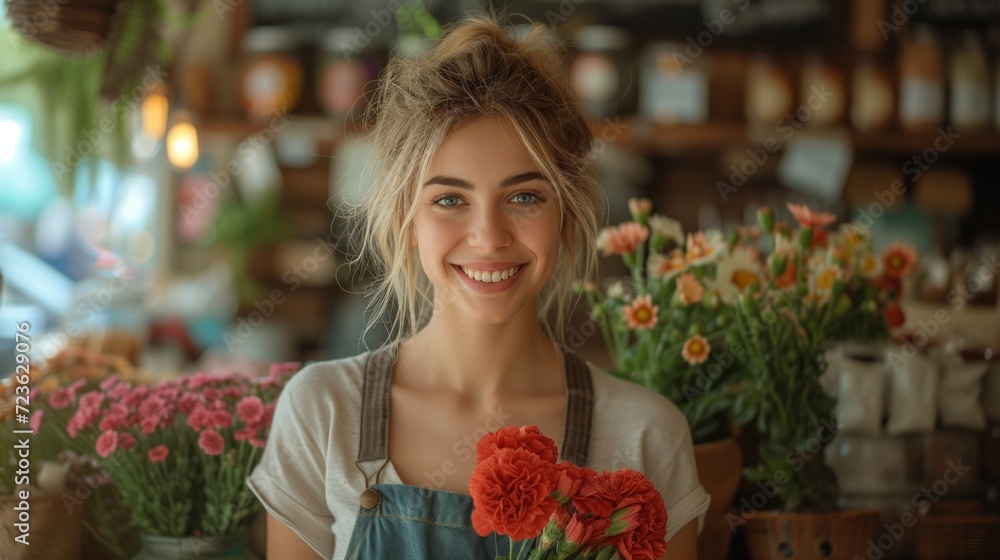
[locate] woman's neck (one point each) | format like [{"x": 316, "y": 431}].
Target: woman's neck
[{"x": 483, "y": 360}]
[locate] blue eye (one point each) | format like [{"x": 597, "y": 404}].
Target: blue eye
[
  {"x": 448, "y": 201},
  {"x": 526, "y": 198}
]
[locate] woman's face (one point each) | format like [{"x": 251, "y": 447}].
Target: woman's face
[{"x": 487, "y": 224}]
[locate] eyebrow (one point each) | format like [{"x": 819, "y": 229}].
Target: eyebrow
[{"x": 507, "y": 182}]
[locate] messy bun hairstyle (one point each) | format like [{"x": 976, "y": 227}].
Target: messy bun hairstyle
[{"x": 476, "y": 69}]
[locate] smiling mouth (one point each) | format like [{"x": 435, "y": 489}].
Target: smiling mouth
[{"x": 490, "y": 277}]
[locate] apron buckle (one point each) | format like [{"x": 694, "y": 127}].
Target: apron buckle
[{"x": 370, "y": 498}]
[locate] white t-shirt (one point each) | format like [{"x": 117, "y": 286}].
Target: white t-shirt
[{"x": 308, "y": 479}]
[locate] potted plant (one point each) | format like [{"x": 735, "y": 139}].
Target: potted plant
[
  {"x": 177, "y": 453},
  {"x": 667, "y": 327},
  {"x": 810, "y": 292}
]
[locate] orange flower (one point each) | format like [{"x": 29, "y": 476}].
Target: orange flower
[
  {"x": 699, "y": 248},
  {"x": 787, "y": 277},
  {"x": 512, "y": 494},
  {"x": 641, "y": 314},
  {"x": 809, "y": 218},
  {"x": 640, "y": 208},
  {"x": 696, "y": 350},
  {"x": 663, "y": 266},
  {"x": 898, "y": 260},
  {"x": 623, "y": 239},
  {"x": 689, "y": 289}
]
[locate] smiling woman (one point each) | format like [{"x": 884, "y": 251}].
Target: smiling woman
[{"x": 482, "y": 211}]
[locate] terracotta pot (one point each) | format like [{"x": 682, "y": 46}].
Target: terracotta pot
[
  {"x": 719, "y": 466},
  {"x": 54, "y": 532},
  {"x": 835, "y": 535}
]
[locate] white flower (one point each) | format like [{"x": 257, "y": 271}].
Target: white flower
[
  {"x": 870, "y": 266},
  {"x": 735, "y": 272},
  {"x": 667, "y": 228}
]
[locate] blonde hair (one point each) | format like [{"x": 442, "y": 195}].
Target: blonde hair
[{"x": 476, "y": 69}]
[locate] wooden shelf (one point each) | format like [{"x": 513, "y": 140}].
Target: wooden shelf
[{"x": 658, "y": 139}]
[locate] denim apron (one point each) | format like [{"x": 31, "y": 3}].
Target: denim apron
[{"x": 402, "y": 522}]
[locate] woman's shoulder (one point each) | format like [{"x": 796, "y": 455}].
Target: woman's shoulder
[
  {"x": 616, "y": 395},
  {"x": 328, "y": 381}
]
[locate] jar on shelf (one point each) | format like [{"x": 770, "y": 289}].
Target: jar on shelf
[
  {"x": 969, "y": 82},
  {"x": 921, "y": 81},
  {"x": 673, "y": 87},
  {"x": 770, "y": 97},
  {"x": 343, "y": 74},
  {"x": 272, "y": 76},
  {"x": 599, "y": 72},
  {"x": 822, "y": 89},
  {"x": 873, "y": 98}
]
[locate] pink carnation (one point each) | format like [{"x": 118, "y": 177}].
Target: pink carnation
[
  {"x": 60, "y": 399},
  {"x": 199, "y": 418},
  {"x": 221, "y": 419},
  {"x": 245, "y": 434},
  {"x": 158, "y": 453},
  {"x": 126, "y": 441},
  {"x": 284, "y": 369},
  {"x": 250, "y": 409},
  {"x": 148, "y": 425},
  {"x": 109, "y": 382},
  {"x": 211, "y": 442},
  {"x": 107, "y": 443},
  {"x": 36, "y": 420}
]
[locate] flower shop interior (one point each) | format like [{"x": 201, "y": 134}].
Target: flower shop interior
[{"x": 800, "y": 252}]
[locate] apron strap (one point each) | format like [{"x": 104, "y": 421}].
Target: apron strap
[
  {"x": 375, "y": 407},
  {"x": 579, "y": 410}
]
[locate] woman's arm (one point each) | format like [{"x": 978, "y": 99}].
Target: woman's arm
[
  {"x": 684, "y": 544},
  {"x": 283, "y": 542}
]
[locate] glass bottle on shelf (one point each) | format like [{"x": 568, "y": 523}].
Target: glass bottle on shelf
[
  {"x": 769, "y": 91},
  {"x": 822, "y": 89},
  {"x": 341, "y": 79},
  {"x": 873, "y": 99},
  {"x": 969, "y": 107},
  {"x": 272, "y": 76},
  {"x": 673, "y": 87},
  {"x": 921, "y": 81},
  {"x": 599, "y": 72}
]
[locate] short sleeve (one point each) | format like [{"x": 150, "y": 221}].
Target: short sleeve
[
  {"x": 290, "y": 478},
  {"x": 677, "y": 477}
]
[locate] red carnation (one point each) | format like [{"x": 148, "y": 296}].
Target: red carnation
[
  {"x": 569, "y": 479},
  {"x": 596, "y": 496},
  {"x": 512, "y": 437},
  {"x": 894, "y": 315},
  {"x": 511, "y": 491}
]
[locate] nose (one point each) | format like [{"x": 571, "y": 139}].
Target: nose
[{"x": 489, "y": 230}]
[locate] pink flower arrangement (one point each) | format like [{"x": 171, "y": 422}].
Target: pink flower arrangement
[
  {"x": 178, "y": 451},
  {"x": 566, "y": 512}
]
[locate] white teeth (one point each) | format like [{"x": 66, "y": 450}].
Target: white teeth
[{"x": 487, "y": 277}]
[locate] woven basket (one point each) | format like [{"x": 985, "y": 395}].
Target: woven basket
[
  {"x": 837, "y": 535},
  {"x": 73, "y": 26},
  {"x": 958, "y": 537}
]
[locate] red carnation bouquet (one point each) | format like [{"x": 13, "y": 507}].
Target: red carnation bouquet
[{"x": 562, "y": 511}]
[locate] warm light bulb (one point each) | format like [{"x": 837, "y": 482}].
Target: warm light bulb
[
  {"x": 154, "y": 115},
  {"x": 182, "y": 145}
]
